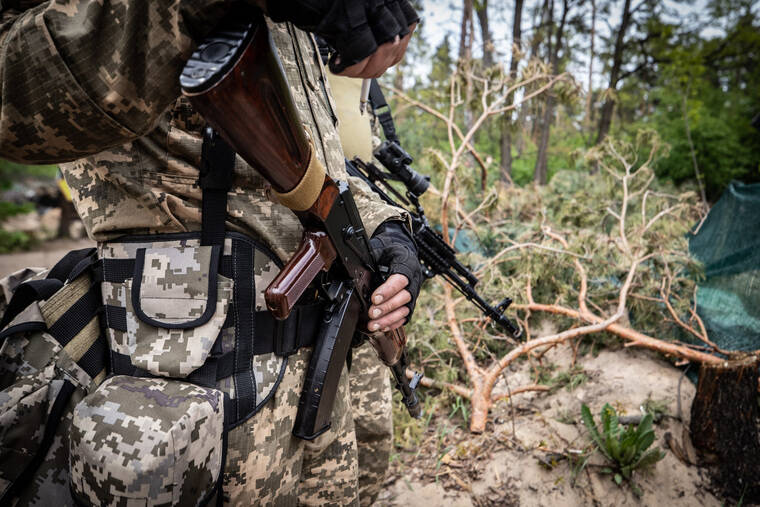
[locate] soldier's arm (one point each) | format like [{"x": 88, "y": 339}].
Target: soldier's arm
[{"x": 79, "y": 77}]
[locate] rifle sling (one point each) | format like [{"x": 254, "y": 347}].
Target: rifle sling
[
  {"x": 216, "y": 176},
  {"x": 382, "y": 111}
]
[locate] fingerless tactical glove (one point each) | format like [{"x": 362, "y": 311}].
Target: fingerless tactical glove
[
  {"x": 354, "y": 29},
  {"x": 393, "y": 246}
]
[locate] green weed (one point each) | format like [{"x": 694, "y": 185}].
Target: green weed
[{"x": 625, "y": 447}]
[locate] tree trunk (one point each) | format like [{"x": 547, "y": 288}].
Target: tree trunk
[
  {"x": 590, "y": 92},
  {"x": 541, "y": 171},
  {"x": 605, "y": 120},
  {"x": 465, "y": 59},
  {"x": 506, "y": 123},
  {"x": 531, "y": 111},
  {"x": 724, "y": 425},
  {"x": 465, "y": 34},
  {"x": 488, "y": 48}
]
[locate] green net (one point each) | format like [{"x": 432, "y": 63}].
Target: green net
[{"x": 728, "y": 244}]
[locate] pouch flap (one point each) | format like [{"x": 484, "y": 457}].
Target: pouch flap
[{"x": 175, "y": 287}]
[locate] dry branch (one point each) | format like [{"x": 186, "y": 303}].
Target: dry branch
[{"x": 635, "y": 241}]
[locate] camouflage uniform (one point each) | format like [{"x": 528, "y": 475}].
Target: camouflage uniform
[
  {"x": 372, "y": 404},
  {"x": 95, "y": 79}
]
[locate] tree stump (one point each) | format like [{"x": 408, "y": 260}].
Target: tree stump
[{"x": 724, "y": 425}]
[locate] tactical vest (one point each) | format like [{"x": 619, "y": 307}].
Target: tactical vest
[{"x": 123, "y": 369}]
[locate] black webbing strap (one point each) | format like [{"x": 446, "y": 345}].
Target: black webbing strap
[
  {"x": 215, "y": 368},
  {"x": 216, "y": 175},
  {"x": 26, "y": 294},
  {"x": 300, "y": 329},
  {"x": 245, "y": 329},
  {"x": 382, "y": 111},
  {"x": 118, "y": 270},
  {"x": 70, "y": 266},
  {"x": 77, "y": 316},
  {"x": 65, "y": 268},
  {"x": 284, "y": 338}
]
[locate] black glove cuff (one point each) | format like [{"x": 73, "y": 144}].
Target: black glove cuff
[
  {"x": 409, "y": 13},
  {"x": 393, "y": 246},
  {"x": 351, "y": 47},
  {"x": 385, "y": 24}
]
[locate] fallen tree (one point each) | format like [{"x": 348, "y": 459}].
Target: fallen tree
[{"x": 627, "y": 231}]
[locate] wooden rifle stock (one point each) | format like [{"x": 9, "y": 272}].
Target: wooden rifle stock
[
  {"x": 238, "y": 84},
  {"x": 235, "y": 79}
]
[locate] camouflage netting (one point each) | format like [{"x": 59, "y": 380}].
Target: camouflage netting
[{"x": 728, "y": 243}]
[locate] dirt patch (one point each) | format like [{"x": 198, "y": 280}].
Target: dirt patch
[{"x": 503, "y": 466}]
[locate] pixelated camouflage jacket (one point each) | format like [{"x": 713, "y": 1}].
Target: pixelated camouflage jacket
[{"x": 96, "y": 84}]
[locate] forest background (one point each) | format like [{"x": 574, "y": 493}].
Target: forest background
[{"x": 688, "y": 70}]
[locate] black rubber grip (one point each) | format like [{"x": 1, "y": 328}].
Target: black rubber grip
[{"x": 218, "y": 53}]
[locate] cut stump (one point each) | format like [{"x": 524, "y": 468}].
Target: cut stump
[{"x": 724, "y": 425}]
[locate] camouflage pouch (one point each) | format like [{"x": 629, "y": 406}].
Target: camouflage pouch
[
  {"x": 176, "y": 307},
  {"x": 51, "y": 355},
  {"x": 148, "y": 441}
]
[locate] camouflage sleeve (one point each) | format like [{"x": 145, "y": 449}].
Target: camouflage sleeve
[
  {"x": 373, "y": 210},
  {"x": 80, "y": 76}
]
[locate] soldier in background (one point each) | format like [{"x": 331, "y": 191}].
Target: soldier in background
[{"x": 95, "y": 84}]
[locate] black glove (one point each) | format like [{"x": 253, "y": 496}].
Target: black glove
[
  {"x": 393, "y": 246},
  {"x": 353, "y": 28}
]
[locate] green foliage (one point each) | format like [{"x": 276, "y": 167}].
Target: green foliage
[
  {"x": 9, "y": 209},
  {"x": 625, "y": 447},
  {"x": 705, "y": 87},
  {"x": 11, "y": 172},
  {"x": 581, "y": 208},
  {"x": 14, "y": 241},
  {"x": 11, "y": 241}
]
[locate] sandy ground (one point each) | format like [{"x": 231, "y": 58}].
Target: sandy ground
[
  {"x": 42, "y": 258},
  {"x": 501, "y": 467}
]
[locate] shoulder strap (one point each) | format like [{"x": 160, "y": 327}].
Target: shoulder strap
[
  {"x": 64, "y": 269},
  {"x": 380, "y": 106},
  {"x": 382, "y": 111},
  {"x": 73, "y": 263},
  {"x": 216, "y": 175},
  {"x": 26, "y": 294}
]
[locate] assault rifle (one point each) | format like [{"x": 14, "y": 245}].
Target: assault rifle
[
  {"x": 436, "y": 256},
  {"x": 236, "y": 80}
]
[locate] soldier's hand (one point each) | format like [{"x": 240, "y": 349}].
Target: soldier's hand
[
  {"x": 393, "y": 301},
  {"x": 367, "y": 36},
  {"x": 386, "y": 56},
  {"x": 389, "y": 310}
]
